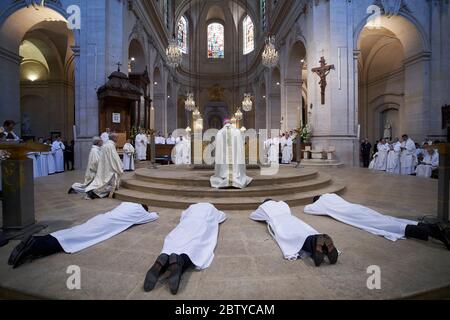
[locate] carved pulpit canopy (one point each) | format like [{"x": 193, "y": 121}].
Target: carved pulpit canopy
[{"x": 119, "y": 85}]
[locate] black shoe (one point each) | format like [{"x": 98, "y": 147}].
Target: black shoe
[
  {"x": 176, "y": 269},
  {"x": 21, "y": 252},
  {"x": 91, "y": 195},
  {"x": 158, "y": 268},
  {"x": 71, "y": 191},
  {"x": 317, "y": 254},
  {"x": 330, "y": 250},
  {"x": 437, "y": 231}
]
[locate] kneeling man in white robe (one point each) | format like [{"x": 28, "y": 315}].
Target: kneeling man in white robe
[
  {"x": 128, "y": 156},
  {"x": 429, "y": 163},
  {"x": 98, "y": 229},
  {"x": 230, "y": 167},
  {"x": 91, "y": 170},
  {"x": 374, "y": 222},
  {"x": 192, "y": 242},
  {"x": 110, "y": 169},
  {"x": 295, "y": 238}
]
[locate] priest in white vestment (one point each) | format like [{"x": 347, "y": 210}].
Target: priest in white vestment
[
  {"x": 192, "y": 242},
  {"x": 381, "y": 162},
  {"x": 160, "y": 139},
  {"x": 109, "y": 172},
  {"x": 100, "y": 228},
  {"x": 51, "y": 168},
  {"x": 273, "y": 150},
  {"x": 182, "y": 151},
  {"x": 91, "y": 169},
  {"x": 230, "y": 166},
  {"x": 374, "y": 222},
  {"x": 393, "y": 159},
  {"x": 128, "y": 156},
  {"x": 141, "y": 143},
  {"x": 408, "y": 156},
  {"x": 286, "y": 149},
  {"x": 295, "y": 238},
  {"x": 170, "y": 140},
  {"x": 58, "y": 152},
  {"x": 429, "y": 163},
  {"x": 105, "y": 135}
]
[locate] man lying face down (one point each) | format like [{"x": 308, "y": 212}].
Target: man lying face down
[
  {"x": 295, "y": 238},
  {"x": 374, "y": 222},
  {"x": 192, "y": 242},
  {"x": 75, "y": 239}
]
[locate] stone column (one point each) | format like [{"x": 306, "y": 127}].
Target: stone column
[{"x": 10, "y": 84}]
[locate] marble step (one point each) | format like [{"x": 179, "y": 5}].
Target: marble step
[
  {"x": 320, "y": 181},
  {"x": 238, "y": 203},
  {"x": 201, "y": 178}
]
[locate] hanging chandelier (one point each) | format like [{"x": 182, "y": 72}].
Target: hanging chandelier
[
  {"x": 247, "y": 103},
  {"x": 238, "y": 115},
  {"x": 196, "y": 114},
  {"x": 189, "y": 104},
  {"x": 270, "y": 55},
  {"x": 174, "y": 54}
]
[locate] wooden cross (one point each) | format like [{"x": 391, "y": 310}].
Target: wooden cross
[
  {"x": 119, "y": 64},
  {"x": 322, "y": 72}
]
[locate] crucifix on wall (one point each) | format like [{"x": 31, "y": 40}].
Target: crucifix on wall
[{"x": 322, "y": 72}]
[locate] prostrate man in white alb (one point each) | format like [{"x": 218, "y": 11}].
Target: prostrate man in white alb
[
  {"x": 141, "y": 142},
  {"x": 100, "y": 228},
  {"x": 128, "y": 156},
  {"x": 408, "y": 156},
  {"x": 105, "y": 135},
  {"x": 91, "y": 169},
  {"x": 192, "y": 242},
  {"x": 230, "y": 166},
  {"x": 295, "y": 238},
  {"x": 429, "y": 163},
  {"x": 58, "y": 152},
  {"x": 374, "y": 222},
  {"x": 110, "y": 169}
]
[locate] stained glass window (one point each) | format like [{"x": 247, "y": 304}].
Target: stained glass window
[
  {"x": 182, "y": 34},
  {"x": 216, "y": 43},
  {"x": 249, "y": 35}
]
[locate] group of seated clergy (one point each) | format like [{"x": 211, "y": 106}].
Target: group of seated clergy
[
  {"x": 405, "y": 157},
  {"x": 193, "y": 241}
]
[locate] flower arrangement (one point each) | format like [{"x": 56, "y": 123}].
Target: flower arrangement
[{"x": 304, "y": 132}]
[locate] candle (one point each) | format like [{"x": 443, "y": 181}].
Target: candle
[{"x": 152, "y": 118}]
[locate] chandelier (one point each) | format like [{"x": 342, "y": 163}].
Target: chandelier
[
  {"x": 247, "y": 103},
  {"x": 174, "y": 54},
  {"x": 238, "y": 115},
  {"x": 189, "y": 104},
  {"x": 270, "y": 55}
]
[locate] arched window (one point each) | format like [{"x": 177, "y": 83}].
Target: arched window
[
  {"x": 249, "y": 35},
  {"x": 216, "y": 43},
  {"x": 182, "y": 34}
]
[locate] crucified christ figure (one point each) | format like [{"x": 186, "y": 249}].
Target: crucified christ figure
[{"x": 323, "y": 71}]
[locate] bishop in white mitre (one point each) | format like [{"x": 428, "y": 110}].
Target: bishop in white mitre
[
  {"x": 105, "y": 135},
  {"x": 192, "y": 242},
  {"x": 109, "y": 172},
  {"x": 429, "y": 163},
  {"x": 141, "y": 142},
  {"x": 230, "y": 167},
  {"x": 128, "y": 156},
  {"x": 58, "y": 153},
  {"x": 374, "y": 222},
  {"x": 91, "y": 169}
]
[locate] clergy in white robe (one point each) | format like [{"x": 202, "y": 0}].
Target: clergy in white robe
[
  {"x": 192, "y": 242},
  {"x": 50, "y": 160},
  {"x": 374, "y": 222},
  {"x": 171, "y": 140},
  {"x": 160, "y": 139},
  {"x": 295, "y": 238},
  {"x": 286, "y": 150},
  {"x": 381, "y": 162},
  {"x": 429, "y": 163},
  {"x": 100, "y": 228},
  {"x": 43, "y": 161},
  {"x": 408, "y": 156},
  {"x": 181, "y": 154},
  {"x": 58, "y": 152},
  {"x": 36, "y": 170},
  {"x": 141, "y": 142},
  {"x": 128, "y": 156},
  {"x": 230, "y": 166},
  {"x": 393, "y": 159},
  {"x": 273, "y": 150},
  {"x": 91, "y": 169},
  {"x": 109, "y": 171},
  {"x": 105, "y": 135}
]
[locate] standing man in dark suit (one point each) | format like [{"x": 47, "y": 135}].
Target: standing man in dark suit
[{"x": 366, "y": 147}]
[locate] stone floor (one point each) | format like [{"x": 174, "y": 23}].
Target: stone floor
[{"x": 248, "y": 264}]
